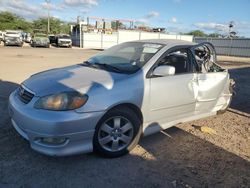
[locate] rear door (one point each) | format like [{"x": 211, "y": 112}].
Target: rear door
[{"x": 211, "y": 78}]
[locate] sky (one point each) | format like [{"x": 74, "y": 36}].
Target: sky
[{"x": 174, "y": 15}]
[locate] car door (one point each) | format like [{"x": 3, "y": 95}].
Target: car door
[
  {"x": 173, "y": 97},
  {"x": 211, "y": 78}
]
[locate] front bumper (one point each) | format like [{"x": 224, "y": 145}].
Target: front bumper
[
  {"x": 40, "y": 44},
  {"x": 13, "y": 43},
  {"x": 75, "y": 129},
  {"x": 64, "y": 44}
]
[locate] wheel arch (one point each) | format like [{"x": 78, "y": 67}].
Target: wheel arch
[{"x": 131, "y": 106}]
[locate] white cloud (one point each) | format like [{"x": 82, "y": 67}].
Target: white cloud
[
  {"x": 21, "y": 8},
  {"x": 51, "y": 6},
  {"x": 84, "y": 11},
  {"x": 146, "y": 19},
  {"x": 32, "y": 11},
  {"x": 141, "y": 21},
  {"x": 152, "y": 14},
  {"x": 173, "y": 20},
  {"x": 212, "y": 26},
  {"x": 85, "y": 3},
  {"x": 242, "y": 28}
]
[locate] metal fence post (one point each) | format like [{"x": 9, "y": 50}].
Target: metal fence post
[
  {"x": 82, "y": 39},
  {"x": 101, "y": 40},
  {"x": 231, "y": 45},
  {"x": 80, "y": 42},
  {"x": 117, "y": 41}
]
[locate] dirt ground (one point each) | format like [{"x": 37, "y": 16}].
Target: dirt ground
[{"x": 182, "y": 156}]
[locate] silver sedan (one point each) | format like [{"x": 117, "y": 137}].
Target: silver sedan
[{"x": 106, "y": 103}]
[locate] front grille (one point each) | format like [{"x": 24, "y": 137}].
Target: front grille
[
  {"x": 24, "y": 95},
  {"x": 65, "y": 42}
]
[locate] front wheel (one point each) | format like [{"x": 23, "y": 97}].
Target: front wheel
[{"x": 117, "y": 133}]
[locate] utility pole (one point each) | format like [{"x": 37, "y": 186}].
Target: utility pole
[
  {"x": 230, "y": 26},
  {"x": 48, "y": 28}
]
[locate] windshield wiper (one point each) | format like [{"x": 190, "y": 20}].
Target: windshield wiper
[
  {"x": 109, "y": 67},
  {"x": 103, "y": 65},
  {"x": 87, "y": 64}
]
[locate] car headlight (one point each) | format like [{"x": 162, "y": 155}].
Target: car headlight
[{"x": 62, "y": 101}]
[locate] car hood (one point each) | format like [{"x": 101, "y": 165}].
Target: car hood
[
  {"x": 65, "y": 40},
  {"x": 76, "y": 77}
]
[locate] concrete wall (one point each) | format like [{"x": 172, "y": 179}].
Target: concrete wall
[{"x": 103, "y": 41}]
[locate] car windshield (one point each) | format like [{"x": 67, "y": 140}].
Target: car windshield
[
  {"x": 40, "y": 35},
  {"x": 64, "y": 37},
  {"x": 11, "y": 33},
  {"x": 125, "y": 58}
]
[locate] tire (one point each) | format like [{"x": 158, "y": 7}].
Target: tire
[{"x": 117, "y": 135}]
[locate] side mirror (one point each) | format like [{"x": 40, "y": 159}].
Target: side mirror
[{"x": 164, "y": 70}]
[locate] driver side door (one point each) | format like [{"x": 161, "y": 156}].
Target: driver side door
[{"x": 173, "y": 97}]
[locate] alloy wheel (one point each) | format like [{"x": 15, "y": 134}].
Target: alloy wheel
[{"x": 115, "y": 134}]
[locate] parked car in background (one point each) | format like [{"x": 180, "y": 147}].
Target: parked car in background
[
  {"x": 1, "y": 36},
  {"x": 40, "y": 40},
  {"x": 26, "y": 37},
  {"x": 63, "y": 40},
  {"x": 12, "y": 38},
  {"x": 106, "y": 103},
  {"x": 52, "y": 39}
]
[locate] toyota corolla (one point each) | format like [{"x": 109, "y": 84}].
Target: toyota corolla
[{"x": 108, "y": 102}]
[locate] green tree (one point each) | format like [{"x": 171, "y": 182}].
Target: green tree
[
  {"x": 12, "y": 21},
  {"x": 215, "y": 35},
  {"x": 117, "y": 25},
  {"x": 56, "y": 25},
  {"x": 197, "y": 33}
]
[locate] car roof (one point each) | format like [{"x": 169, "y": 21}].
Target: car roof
[{"x": 166, "y": 41}]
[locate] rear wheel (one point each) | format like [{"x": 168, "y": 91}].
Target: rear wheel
[{"x": 117, "y": 133}]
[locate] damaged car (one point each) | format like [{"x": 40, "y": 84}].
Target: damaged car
[{"x": 108, "y": 102}]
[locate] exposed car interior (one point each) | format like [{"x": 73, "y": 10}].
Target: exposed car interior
[
  {"x": 177, "y": 59},
  {"x": 205, "y": 59}
]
